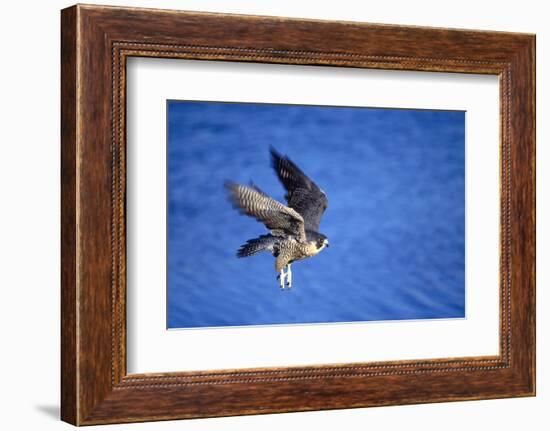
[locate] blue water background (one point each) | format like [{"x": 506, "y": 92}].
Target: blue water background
[{"x": 395, "y": 183}]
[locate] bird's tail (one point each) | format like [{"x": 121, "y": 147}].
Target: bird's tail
[{"x": 256, "y": 245}]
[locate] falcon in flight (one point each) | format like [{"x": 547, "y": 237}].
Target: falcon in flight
[{"x": 294, "y": 228}]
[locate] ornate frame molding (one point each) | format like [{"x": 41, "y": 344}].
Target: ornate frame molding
[{"x": 96, "y": 41}]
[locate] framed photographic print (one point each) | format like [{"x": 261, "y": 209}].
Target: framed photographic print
[{"x": 265, "y": 215}]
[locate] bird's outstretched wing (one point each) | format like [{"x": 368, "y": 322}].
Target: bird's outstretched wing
[
  {"x": 279, "y": 218},
  {"x": 302, "y": 194}
]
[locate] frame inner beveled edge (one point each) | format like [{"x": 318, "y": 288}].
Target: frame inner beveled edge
[{"x": 120, "y": 380}]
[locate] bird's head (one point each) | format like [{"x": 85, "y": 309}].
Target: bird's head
[{"x": 322, "y": 242}]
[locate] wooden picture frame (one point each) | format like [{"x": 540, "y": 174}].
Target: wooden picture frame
[{"x": 95, "y": 43}]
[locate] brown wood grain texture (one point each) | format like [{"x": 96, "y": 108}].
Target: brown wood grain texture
[
  {"x": 95, "y": 43},
  {"x": 69, "y": 368}
]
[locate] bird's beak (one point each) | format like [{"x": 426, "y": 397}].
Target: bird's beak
[{"x": 326, "y": 243}]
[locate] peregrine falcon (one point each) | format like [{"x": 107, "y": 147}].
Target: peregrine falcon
[{"x": 294, "y": 227}]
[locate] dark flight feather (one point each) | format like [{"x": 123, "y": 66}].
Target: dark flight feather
[{"x": 302, "y": 194}]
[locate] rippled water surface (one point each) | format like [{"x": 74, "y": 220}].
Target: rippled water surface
[{"x": 395, "y": 184}]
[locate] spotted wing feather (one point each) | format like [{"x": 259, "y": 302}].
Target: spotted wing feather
[{"x": 279, "y": 218}]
